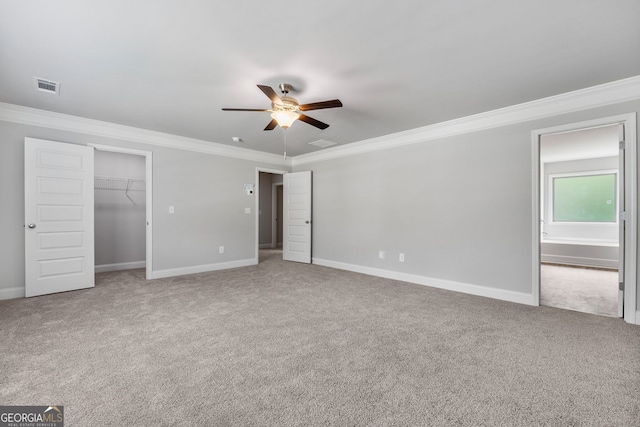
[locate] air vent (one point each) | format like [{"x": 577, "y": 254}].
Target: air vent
[
  {"x": 47, "y": 86},
  {"x": 323, "y": 143}
]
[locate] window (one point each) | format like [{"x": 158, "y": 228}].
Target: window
[{"x": 584, "y": 198}]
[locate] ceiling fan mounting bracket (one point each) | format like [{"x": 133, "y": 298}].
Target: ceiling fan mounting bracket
[{"x": 285, "y": 88}]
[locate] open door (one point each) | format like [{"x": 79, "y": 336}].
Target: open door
[
  {"x": 621, "y": 220},
  {"x": 59, "y": 253},
  {"x": 296, "y": 245}
]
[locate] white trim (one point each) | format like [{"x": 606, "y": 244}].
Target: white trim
[
  {"x": 467, "y": 288},
  {"x": 537, "y": 217},
  {"x": 35, "y": 117},
  {"x": 172, "y": 272},
  {"x": 637, "y": 319},
  {"x": 596, "y": 96},
  {"x": 609, "y": 93},
  {"x": 257, "y": 203},
  {"x": 120, "y": 266},
  {"x": 580, "y": 261},
  {"x": 580, "y": 242},
  {"x": 148, "y": 155},
  {"x": 12, "y": 293},
  {"x": 631, "y": 203}
]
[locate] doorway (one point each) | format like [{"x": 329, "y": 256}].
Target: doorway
[
  {"x": 584, "y": 183},
  {"x": 269, "y": 211},
  {"x": 119, "y": 211},
  {"x": 123, "y": 183},
  {"x": 580, "y": 194}
]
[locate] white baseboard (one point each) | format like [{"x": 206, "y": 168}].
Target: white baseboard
[
  {"x": 467, "y": 288},
  {"x": 12, "y": 293},
  {"x": 120, "y": 266},
  {"x": 172, "y": 272},
  {"x": 580, "y": 261},
  {"x": 265, "y": 246}
]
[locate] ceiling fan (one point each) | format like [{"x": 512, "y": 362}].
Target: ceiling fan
[{"x": 285, "y": 109}]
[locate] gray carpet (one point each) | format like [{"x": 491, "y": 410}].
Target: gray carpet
[
  {"x": 580, "y": 289},
  {"x": 285, "y": 344}
]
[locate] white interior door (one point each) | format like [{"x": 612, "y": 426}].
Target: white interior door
[
  {"x": 296, "y": 244},
  {"x": 621, "y": 220},
  {"x": 59, "y": 253}
]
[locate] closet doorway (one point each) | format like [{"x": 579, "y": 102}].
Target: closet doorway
[{"x": 123, "y": 206}]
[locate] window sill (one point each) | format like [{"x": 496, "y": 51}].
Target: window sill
[{"x": 583, "y": 242}]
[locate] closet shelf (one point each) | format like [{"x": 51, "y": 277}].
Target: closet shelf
[{"x": 122, "y": 184}]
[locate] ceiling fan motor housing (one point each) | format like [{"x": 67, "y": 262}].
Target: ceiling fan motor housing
[{"x": 289, "y": 103}]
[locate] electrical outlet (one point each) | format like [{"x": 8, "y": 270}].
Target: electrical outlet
[
  {"x": 221, "y": 249},
  {"x": 381, "y": 254},
  {"x": 171, "y": 209},
  {"x": 401, "y": 258}
]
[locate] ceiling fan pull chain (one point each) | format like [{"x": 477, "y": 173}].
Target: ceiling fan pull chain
[{"x": 285, "y": 143}]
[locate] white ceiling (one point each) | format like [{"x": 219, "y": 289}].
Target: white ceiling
[{"x": 171, "y": 66}]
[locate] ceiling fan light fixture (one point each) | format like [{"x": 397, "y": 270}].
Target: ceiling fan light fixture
[{"x": 285, "y": 118}]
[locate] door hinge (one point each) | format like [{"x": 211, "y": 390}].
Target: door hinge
[
  {"x": 623, "y": 216},
  {"x": 622, "y": 145},
  {"x": 621, "y": 286}
]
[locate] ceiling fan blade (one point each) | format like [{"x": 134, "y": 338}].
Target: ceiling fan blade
[
  {"x": 271, "y": 94},
  {"x": 320, "y": 105},
  {"x": 243, "y": 109},
  {"x": 272, "y": 125},
  {"x": 313, "y": 122}
]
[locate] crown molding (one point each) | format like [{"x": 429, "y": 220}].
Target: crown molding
[
  {"x": 42, "y": 118},
  {"x": 596, "y": 96},
  {"x": 583, "y": 99}
]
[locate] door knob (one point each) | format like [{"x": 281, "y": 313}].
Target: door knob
[
  {"x": 31, "y": 226},
  {"x": 306, "y": 222}
]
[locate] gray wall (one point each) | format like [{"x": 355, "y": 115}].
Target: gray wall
[
  {"x": 120, "y": 221},
  {"x": 578, "y": 254},
  {"x": 459, "y": 208},
  {"x": 206, "y": 190}
]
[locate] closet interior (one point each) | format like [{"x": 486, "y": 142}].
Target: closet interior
[{"x": 120, "y": 211}]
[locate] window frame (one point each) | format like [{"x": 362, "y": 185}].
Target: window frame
[{"x": 550, "y": 198}]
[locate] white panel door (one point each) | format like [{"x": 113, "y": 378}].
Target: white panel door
[
  {"x": 59, "y": 252},
  {"x": 296, "y": 245}
]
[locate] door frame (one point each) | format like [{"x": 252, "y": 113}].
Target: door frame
[
  {"x": 630, "y": 195},
  {"x": 256, "y": 192},
  {"x": 148, "y": 155}
]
